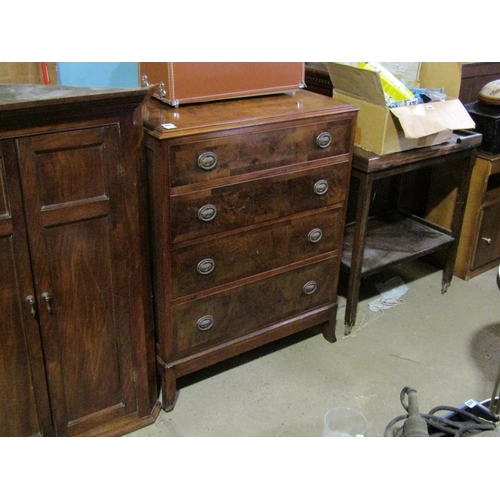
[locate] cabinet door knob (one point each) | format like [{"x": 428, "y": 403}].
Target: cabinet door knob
[
  {"x": 207, "y": 213},
  {"x": 488, "y": 240},
  {"x": 48, "y": 302},
  {"x": 321, "y": 187},
  {"x": 315, "y": 235},
  {"x": 205, "y": 323},
  {"x": 205, "y": 266},
  {"x": 309, "y": 288},
  {"x": 323, "y": 140},
  {"x": 207, "y": 161},
  {"x": 31, "y": 302}
]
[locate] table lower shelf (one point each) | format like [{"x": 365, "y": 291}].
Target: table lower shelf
[{"x": 393, "y": 238}]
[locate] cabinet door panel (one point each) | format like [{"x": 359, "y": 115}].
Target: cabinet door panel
[
  {"x": 83, "y": 316},
  {"x": 24, "y": 407},
  {"x": 70, "y": 167},
  {"x": 78, "y": 236},
  {"x": 488, "y": 238}
]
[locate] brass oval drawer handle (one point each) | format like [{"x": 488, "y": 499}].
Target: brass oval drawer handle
[
  {"x": 309, "y": 288},
  {"x": 488, "y": 240},
  {"x": 207, "y": 161},
  {"x": 321, "y": 187},
  {"x": 205, "y": 266},
  {"x": 207, "y": 213},
  {"x": 315, "y": 235},
  {"x": 323, "y": 140},
  {"x": 205, "y": 323}
]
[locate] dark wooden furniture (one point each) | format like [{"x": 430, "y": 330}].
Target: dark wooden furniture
[
  {"x": 372, "y": 244},
  {"x": 76, "y": 336},
  {"x": 248, "y": 202},
  {"x": 474, "y": 77},
  {"x": 479, "y": 247},
  {"x": 317, "y": 78}
]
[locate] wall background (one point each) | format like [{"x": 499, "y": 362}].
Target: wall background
[{"x": 98, "y": 74}]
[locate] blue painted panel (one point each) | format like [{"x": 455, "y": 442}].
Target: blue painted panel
[{"x": 98, "y": 74}]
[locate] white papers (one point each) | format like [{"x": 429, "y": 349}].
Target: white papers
[{"x": 391, "y": 292}]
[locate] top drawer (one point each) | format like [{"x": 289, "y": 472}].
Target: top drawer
[{"x": 235, "y": 152}]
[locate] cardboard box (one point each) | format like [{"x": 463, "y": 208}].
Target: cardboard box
[{"x": 383, "y": 130}]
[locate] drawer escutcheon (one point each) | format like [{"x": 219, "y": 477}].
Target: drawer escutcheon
[
  {"x": 323, "y": 140},
  {"x": 321, "y": 187},
  {"x": 315, "y": 235},
  {"x": 205, "y": 323},
  {"x": 207, "y": 213},
  {"x": 207, "y": 161},
  {"x": 309, "y": 288},
  {"x": 205, "y": 266}
]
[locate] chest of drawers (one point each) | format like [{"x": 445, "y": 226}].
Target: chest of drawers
[{"x": 247, "y": 208}]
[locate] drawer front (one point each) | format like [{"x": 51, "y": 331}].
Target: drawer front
[
  {"x": 220, "y": 209},
  {"x": 488, "y": 240},
  {"x": 208, "y": 321},
  {"x": 229, "y": 155},
  {"x": 239, "y": 255}
]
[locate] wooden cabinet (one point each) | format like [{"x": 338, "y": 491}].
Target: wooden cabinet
[
  {"x": 479, "y": 248},
  {"x": 76, "y": 334},
  {"x": 248, "y": 202}
]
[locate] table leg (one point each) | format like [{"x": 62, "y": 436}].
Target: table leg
[
  {"x": 458, "y": 218},
  {"x": 362, "y": 211}
]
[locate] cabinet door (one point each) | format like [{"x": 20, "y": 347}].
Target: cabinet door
[
  {"x": 80, "y": 245},
  {"x": 488, "y": 236},
  {"x": 24, "y": 407}
]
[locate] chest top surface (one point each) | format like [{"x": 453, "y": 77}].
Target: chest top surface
[{"x": 164, "y": 121}]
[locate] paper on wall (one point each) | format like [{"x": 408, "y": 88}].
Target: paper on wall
[{"x": 409, "y": 72}]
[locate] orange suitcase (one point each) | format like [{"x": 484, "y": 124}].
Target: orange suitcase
[{"x": 191, "y": 82}]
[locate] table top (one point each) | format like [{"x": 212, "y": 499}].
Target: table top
[{"x": 369, "y": 162}]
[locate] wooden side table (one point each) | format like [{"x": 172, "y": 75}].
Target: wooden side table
[{"x": 374, "y": 243}]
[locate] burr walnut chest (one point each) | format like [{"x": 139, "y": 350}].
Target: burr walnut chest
[{"x": 247, "y": 209}]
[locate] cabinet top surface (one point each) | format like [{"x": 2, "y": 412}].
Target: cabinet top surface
[
  {"x": 21, "y": 96},
  {"x": 164, "y": 121}
]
